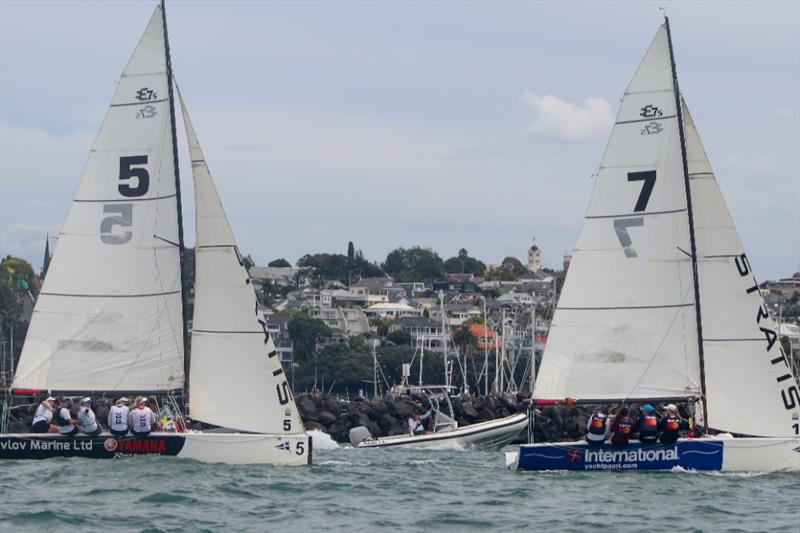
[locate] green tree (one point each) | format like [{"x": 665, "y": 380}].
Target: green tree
[
  {"x": 464, "y": 339},
  {"x": 281, "y": 262},
  {"x": 306, "y": 332},
  {"x": 399, "y": 338},
  {"x": 414, "y": 264},
  {"x": 338, "y": 366},
  {"x": 464, "y": 264}
]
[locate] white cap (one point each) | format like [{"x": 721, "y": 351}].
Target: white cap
[
  {"x": 86, "y": 400},
  {"x": 121, "y": 400},
  {"x": 50, "y": 399},
  {"x": 671, "y": 407}
]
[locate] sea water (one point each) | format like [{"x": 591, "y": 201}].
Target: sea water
[{"x": 383, "y": 489}]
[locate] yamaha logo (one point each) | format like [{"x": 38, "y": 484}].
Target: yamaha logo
[{"x": 110, "y": 445}]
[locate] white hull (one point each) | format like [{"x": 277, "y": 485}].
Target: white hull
[
  {"x": 228, "y": 448},
  {"x": 491, "y": 435},
  {"x": 752, "y": 454}
]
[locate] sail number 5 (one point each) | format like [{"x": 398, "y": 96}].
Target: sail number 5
[{"x": 122, "y": 214}]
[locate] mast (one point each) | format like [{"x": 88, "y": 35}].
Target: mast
[
  {"x": 698, "y": 315},
  {"x": 181, "y": 247}
]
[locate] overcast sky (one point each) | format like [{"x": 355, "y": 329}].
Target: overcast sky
[{"x": 446, "y": 124}]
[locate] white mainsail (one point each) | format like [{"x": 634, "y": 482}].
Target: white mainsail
[
  {"x": 749, "y": 387},
  {"x": 109, "y": 314},
  {"x": 625, "y": 324},
  {"x": 235, "y": 378}
]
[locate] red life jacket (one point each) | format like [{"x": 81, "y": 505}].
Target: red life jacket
[
  {"x": 673, "y": 423},
  {"x": 624, "y": 426},
  {"x": 597, "y": 425}
]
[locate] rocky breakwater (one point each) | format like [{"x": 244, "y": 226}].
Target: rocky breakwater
[{"x": 389, "y": 416}]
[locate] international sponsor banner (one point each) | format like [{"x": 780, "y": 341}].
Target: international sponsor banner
[
  {"x": 688, "y": 454},
  {"x": 102, "y": 447}
]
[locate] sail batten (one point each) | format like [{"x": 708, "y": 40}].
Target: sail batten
[
  {"x": 235, "y": 365},
  {"x": 108, "y": 316}
]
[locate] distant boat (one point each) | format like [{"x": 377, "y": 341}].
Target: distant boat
[
  {"x": 111, "y": 318},
  {"x": 661, "y": 304},
  {"x": 488, "y": 435}
]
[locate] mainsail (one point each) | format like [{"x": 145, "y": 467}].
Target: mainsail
[
  {"x": 236, "y": 379},
  {"x": 749, "y": 387},
  {"x": 109, "y": 314},
  {"x": 625, "y": 325}
]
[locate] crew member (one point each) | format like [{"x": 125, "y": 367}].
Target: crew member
[
  {"x": 142, "y": 419},
  {"x": 67, "y": 426},
  {"x": 87, "y": 421},
  {"x": 671, "y": 425},
  {"x": 647, "y": 425},
  {"x": 597, "y": 428},
  {"x": 118, "y": 418},
  {"x": 415, "y": 426},
  {"x": 42, "y": 420},
  {"x": 621, "y": 427}
]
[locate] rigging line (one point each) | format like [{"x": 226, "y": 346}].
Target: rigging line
[
  {"x": 166, "y": 241},
  {"x": 109, "y": 295}
]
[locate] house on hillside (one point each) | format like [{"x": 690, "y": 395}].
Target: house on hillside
[
  {"x": 424, "y": 332},
  {"x": 278, "y": 328},
  {"x": 280, "y": 276},
  {"x": 392, "y": 310},
  {"x": 376, "y": 290},
  {"x": 485, "y": 336},
  {"x": 352, "y": 321},
  {"x": 455, "y": 313}
]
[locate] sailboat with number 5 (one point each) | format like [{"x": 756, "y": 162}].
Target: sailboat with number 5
[
  {"x": 111, "y": 319},
  {"x": 660, "y": 303}
]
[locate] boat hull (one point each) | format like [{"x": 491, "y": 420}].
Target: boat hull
[
  {"x": 229, "y": 448},
  {"x": 730, "y": 455},
  {"x": 491, "y": 435}
]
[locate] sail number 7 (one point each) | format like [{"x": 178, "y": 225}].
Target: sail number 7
[
  {"x": 122, "y": 214},
  {"x": 649, "y": 179}
]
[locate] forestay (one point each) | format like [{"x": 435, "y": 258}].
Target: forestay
[
  {"x": 625, "y": 323},
  {"x": 109, "y": 314},
  {"x": 749, "y": 387},
  {"x": 236, "y": 379}
]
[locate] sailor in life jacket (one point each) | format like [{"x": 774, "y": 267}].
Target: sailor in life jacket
[
  {"x": 621, "y": 427},
  {"x": 87, "y": 421},
  {"x": 671, "y": 425},
  {"x": 118, "y": 418},
  {"x": 67, "y": 426},
  {"x": 597, "y": 428},
  {"x": 42, "y": 420},
  {"x": 142, "y": 419},
  {"x": 647, "y": 425}
]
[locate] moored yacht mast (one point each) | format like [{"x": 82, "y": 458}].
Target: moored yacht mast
[
  {"x": 181, "y": 246},
  {"x": 690, "y": 213}
]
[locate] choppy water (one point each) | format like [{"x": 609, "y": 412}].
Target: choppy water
[{"x": 403, "y": 490}]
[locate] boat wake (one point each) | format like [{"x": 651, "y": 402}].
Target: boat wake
[{"x": 322, "y": 441}]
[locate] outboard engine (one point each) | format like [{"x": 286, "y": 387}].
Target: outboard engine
[{"x": 359, "y": 434}]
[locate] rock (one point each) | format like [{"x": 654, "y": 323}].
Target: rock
[
  {"x": 327, "y": 418},
  {"x": 312, "y": 425}
]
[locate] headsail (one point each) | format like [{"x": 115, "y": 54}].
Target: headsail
[
  {"x": 236, "y": 378},
  {"x": 109, "y": 314},
  {"x": 749, "y": 387},
  {"x": 625, "y": 324}
]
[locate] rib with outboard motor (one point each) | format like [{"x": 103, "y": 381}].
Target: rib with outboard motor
[{"x": 660, "y": 303}]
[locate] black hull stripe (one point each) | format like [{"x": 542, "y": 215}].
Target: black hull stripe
[{"x": 261, "y": 332}]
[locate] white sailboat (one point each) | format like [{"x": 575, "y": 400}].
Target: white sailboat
[
  {"x": 661, "y": 304},
  {"x": 111, "y": 317}
]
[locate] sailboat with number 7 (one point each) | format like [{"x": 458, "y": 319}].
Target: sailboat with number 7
[
  {"x": 111, "y": 319},
  {"x": 660, "y": 303}
]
